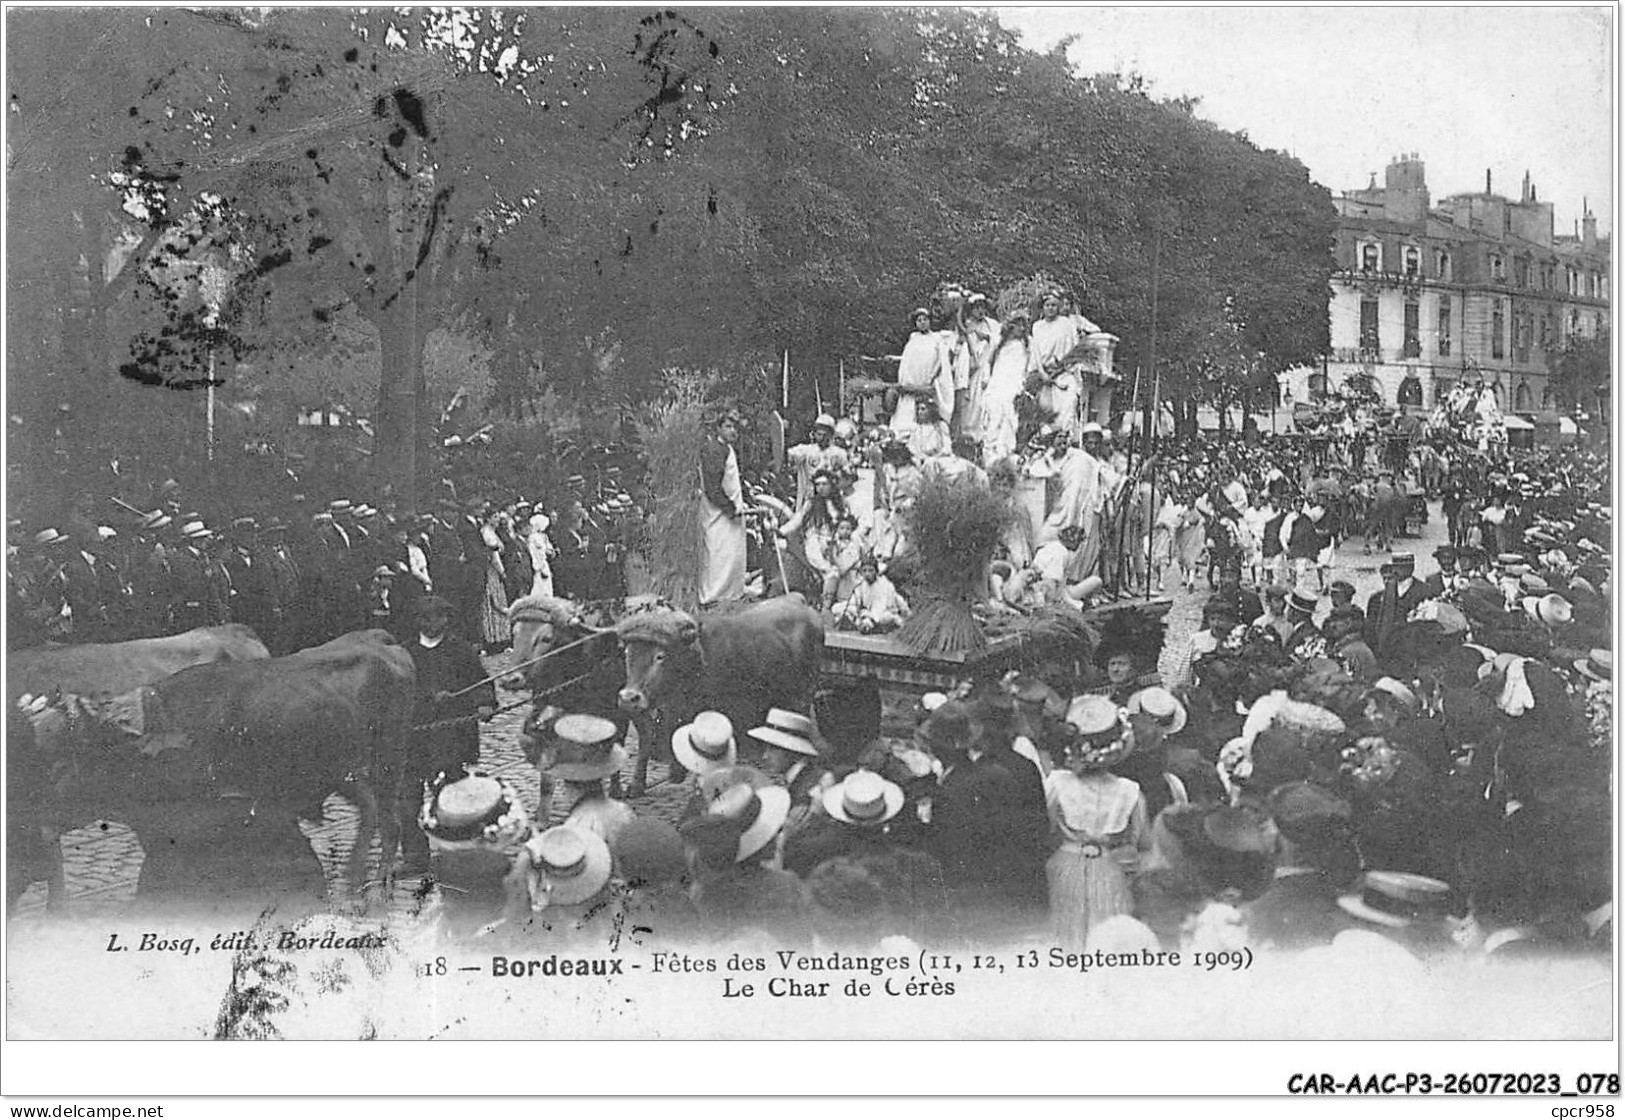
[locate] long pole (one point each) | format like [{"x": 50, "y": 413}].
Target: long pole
[
  {"x": 785, "y": 402},
  {"x": 210, "y": 406},
  {"x": 1151, "y": 531},
  {"x": 1156, "y": 273}
]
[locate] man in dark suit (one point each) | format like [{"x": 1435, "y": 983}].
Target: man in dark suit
[
  {"x": 1388, "y": 609},
  {"x": 987, "y": 829},
  {"x": 451, "y": 685}
]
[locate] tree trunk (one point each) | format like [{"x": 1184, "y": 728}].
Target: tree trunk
[{"x": 400, "y": 375}]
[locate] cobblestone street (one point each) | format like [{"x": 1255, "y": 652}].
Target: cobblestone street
[{"x": 103, "y": 861}]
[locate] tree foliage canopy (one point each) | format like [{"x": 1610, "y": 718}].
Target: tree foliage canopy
[{"x": 594, "y": 195}]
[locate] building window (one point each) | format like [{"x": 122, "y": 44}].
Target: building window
[
  {"x": 1442, "y": 265},
  {"x": 1370, "y": 257},
  {"x": 1498, "y": 267},
  {"x": 1547, "y": 276},
  {"x": 1522, "y": 399},
  {"x": 1596, "y": 326},
  {"x": 1444, "y": 328},
  {"x": 1546, "y": 396},
  {"x": 1369, "y": 338},
  {"x": 1497, "y": 331},
  {"x": 1523, "y": 329},
  {"x": 1574, "y": 323},
  {"x": 1574, "y": 282},
  {"x": 1413, "y": 260},
  {"x": 1413, "y": 330},
  {"x": 1520, "y": 272},
  {"x": 1546, "y": 331},
  {"x": 1410, "y": 392}
]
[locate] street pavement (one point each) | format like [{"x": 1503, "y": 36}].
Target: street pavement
[{"x": 102, "y": 861}]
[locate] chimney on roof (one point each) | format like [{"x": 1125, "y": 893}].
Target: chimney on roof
[
  {"x": 1486, "y": 181},
  {"x": 1588, "y": 228},
  {"x": 1525, "y": 195}
]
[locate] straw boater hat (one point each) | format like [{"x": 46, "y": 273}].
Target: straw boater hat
[
  {"x": 787, "y": 730},
  {"x": 1598, "y": 665},
  {"x": 864, "y": 798},
  {"x": 156, "y": 519},
  {"x": 1162, "y": 706},
  {"x": 50, "y": 536},
  {"x": 473, "y": 812},
  {"x": 1553, "y": 610},
  {"x": 761, "y": 812},
  {"x": 584, "y": 748},
  {"x": 714, "y": 783},
  {"x": 568, "y": 865},
  {"x": 1303, "y": 601},
  {"x": 1103, "y": 734},
  {"x": 196, "y": 530},
  {"x": 1397, "y": 898},
  {"x": 705, "y": 744},
  {"x": 825, "y": 420}
]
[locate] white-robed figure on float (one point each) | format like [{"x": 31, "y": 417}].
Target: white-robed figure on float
[
  {"x": 923, "y": 371},
  {"x": 993, "y": 395},
  {"x": 722, "y": 515},
  {"x": 1055, "y": 336}
]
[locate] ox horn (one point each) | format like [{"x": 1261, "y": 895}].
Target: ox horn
[{"x": 688, "y": 628}]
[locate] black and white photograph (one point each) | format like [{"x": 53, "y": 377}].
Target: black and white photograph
[{"x": 815, "y": 523}]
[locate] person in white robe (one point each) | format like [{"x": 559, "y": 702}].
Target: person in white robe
[
  {"x": 923, "y": 371},
  {"x": 722, "y": 516},
  {"x": 993, "y": 400},
  {"x": 1055, "y": 336}
]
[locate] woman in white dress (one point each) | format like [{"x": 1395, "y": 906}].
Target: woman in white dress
[
  {"x": 924, "y": 371},
  {"x": 994, "y": 405},
  {"x": 1100, "y": 820}
]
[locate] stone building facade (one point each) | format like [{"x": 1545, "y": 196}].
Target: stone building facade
[{"x": 1479, "y": 286}]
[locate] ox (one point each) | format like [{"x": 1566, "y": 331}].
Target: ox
[
  {"x": 740, "y": 664},
  {"x": 583, "y": 677},
  {"x": 35, "y": 818},
  {"x": 287, "y": 732}
]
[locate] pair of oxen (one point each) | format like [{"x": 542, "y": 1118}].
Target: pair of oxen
[{"x": 213, "y": 752}]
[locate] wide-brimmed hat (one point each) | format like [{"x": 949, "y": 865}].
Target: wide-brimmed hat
[
  {"x": 196, "y": 530},
  {"x": 824, "y": 420},
  {"x": 1533, "y": 584},
  {"x": 1402, "y": 560},
  {"x": 156, "y": 519},
  {"x": 1598, "y": 665},
  {"x": 1103, "y": 736},
  {"x": 1303, "y": 600},
  {"x": 1398, "y": 690},
  {"x": 340, "y": 505},
  {"x": 1554, "y": 610},
  {"x": 584, "y": 748},
  {"x": 50, "y": 536},
  {"x": 788, "y": 730},
  {"x": 714, "y": 782},
  {"x": 568, "y": 865},
  {"x": 706, "y": 743},
  {"x": 1505, "y": 558},
  {"x": 1162, "y": 706},
  {"x": 468, "y": 812},
  {"x": 1397, "y": 898},
  {"x": 761, "y": 812},
  {"x": 864, "y": 798}
]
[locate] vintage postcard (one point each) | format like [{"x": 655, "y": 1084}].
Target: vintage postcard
[{"x": 814, "y": 523}]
